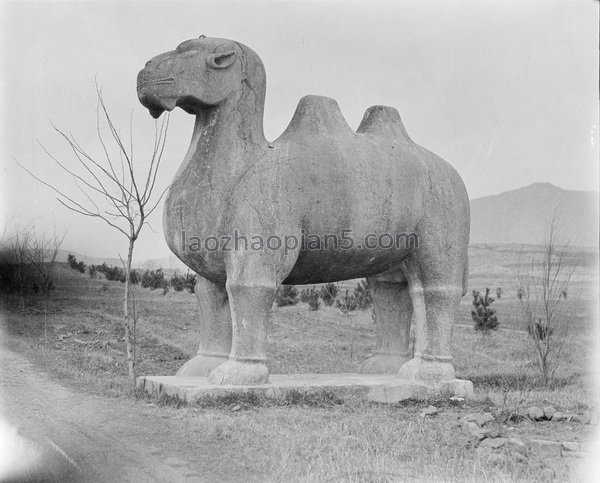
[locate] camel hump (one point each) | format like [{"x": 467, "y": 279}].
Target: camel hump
[
  {"x": 318, "y": 115},
  {"x": 385, "y": 121}
]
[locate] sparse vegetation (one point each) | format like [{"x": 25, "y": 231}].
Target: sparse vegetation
[{"x": 319, "y": 439}]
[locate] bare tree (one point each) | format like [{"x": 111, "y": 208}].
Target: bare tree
[
  {"x": 42, "y": 259},
  {"x": 125, "y": 193},
  {"x": 15, "y": 270},
  {"x": 542, "y": 294}
]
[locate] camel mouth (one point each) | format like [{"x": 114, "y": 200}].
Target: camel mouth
[
  {"x": 157, "y": 106},
  {"x": 165, "y": 80}
]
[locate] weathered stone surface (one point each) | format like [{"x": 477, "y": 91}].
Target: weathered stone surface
[
  {"x": 549, "y": 412},
  {"x": 479, "y": 418},
  {"x": 570, "y": 446},
  {"x": 461, "y": 388},
  {"x": 546, "y": 448},
  {"x": 474, "y": 431},
  {"x": 321, "y": 179},
  {"x": 517, "y": 445},
  {"x": 493, "y": 429},
  {"x": 399, "y": 392},
  {"x": 429, "y": 411},
  {"x": 493, "y": 443},
  {"x": 536, "y": 413},
  {"x": 584, "y": 418},
  {"x": 558, "y": 417}
]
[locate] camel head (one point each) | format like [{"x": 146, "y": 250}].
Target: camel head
[{"x": 200, "y": 74}]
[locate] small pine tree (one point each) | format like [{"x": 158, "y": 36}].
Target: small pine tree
[
  {"x": 311, "y": 297},
  {"x": 362, "y": 294},
  {"x": 177, "y": 282},
  {"x": 540, "y": 331},
  {"x": 286, "y": 295},
  {"x": 328, "y": 294},
  {"x": 72, "y": 261},
  {"x": 483, "y": 314},
  {"x": 190, "y": 282},
  {"x": 346, "y": 303}
]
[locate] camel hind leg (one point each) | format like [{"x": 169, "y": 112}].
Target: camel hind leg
[
  {"x": 435, "y": 295},
  {"x": 392, "y": 312}
]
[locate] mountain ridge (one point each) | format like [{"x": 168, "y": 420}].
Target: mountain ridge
[{"x": 521, "y": 216}]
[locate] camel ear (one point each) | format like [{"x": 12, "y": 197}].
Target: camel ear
[{"x": 221, "y": 60}]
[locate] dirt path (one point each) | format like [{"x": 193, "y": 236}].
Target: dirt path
[{"x": 63, "y": 435}]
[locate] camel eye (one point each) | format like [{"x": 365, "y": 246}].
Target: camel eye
[{"x": 221, "y": 60}]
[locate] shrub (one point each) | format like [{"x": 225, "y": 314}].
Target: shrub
[
  {"x": 74, "y": 264},
  {"x": 328, "y": 294},
  {"x": 483, "y": 314},
  {"x": 111, "y": 273}
]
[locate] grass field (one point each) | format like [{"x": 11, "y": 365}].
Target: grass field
[{"x": 80, "y": 342}]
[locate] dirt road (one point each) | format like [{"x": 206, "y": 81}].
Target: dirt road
[{"x": 53, "y": 433}]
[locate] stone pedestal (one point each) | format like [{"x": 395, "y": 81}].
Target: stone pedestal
[{"x": 383, "y": 388}]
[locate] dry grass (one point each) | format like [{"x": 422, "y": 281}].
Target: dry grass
[{"x": 321, "y": 440}]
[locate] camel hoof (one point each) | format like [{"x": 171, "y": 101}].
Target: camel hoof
[
  {"x": 201, "y": 366},
  {"x": 383, "y": 363},
  {"x": 240, "y": 374}
]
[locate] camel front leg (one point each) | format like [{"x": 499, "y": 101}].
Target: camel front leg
[
  {"x": 251, "y": 289},
  {"x": 215, "y": 330}
]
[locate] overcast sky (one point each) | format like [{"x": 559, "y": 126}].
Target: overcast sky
[{"x": 506, "y": 91}]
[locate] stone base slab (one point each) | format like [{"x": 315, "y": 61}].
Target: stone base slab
[{"x": 374, "y": 387}]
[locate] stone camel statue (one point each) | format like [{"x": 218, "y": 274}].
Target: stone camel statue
[{"x": 319, "y": 178}]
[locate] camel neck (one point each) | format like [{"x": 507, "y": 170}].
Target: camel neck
[{"x": 231, "y": 127}]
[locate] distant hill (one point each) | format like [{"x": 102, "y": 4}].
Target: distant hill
[{"x": 521, "y": 216}]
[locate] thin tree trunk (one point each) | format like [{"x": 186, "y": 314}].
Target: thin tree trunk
[{"x": 129, "y": 325}]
